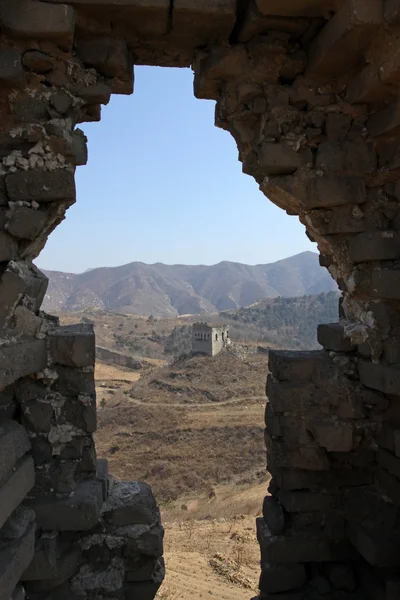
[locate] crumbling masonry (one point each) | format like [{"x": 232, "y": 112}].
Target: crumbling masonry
[{"x": 308, "y": 89}]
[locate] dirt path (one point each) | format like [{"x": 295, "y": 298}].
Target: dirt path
[{"x": 205, "y": 405}]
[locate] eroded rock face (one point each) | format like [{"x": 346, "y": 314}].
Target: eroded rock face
[{"x": 309, "y": 90}]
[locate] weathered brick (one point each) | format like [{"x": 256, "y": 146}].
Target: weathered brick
[
  {"x": 11, "y": 70},
  {"x": 272, "y": 421},
  {"x": 142, "y": 17},
  {"x": 313, "y": 8},
  {"x": 254, "y": 24},
  {"x": 281, "y": 578},
  {"x": 96, "y": 94},
  {"x": 77, "y": 512},
  {"x": 378, "y": 283},
  {"x": 377, "y": 549},
  {"x": 131, "y": 503},
  {"x": 17, "y": 486},
  {"x": 291, "y": 479},
  {"x": 340, "y": 45},
  {"x": 299, "y": 548},
  {"x": 44, "y": 563},
  {"x": 39, "y": 21},
  {"x": 14, "y": 443},
  {"x": 102, "y": 475},
  {"x": 331, "y": 337},
  {"x": 8, "y": 247},
  {"x": 41, "y": 186},
  {"x": 385, "y": 122},
  {"x": 25, "y": 223},
  {"x": 73, "y": 345},
  {"x": 38, "y": 62},
  {"x": 380, "y": 377},
  {"x": 72, "y": 381},
  {"x": 389, "y": 484},
  {"x": 297, "y": 398},
  {"x": 295, "y": 366},
  {"x": 14, "y": 559},
  {"x": 331, "y": 190},
  {"x": 332, "y": 434},
  {"x": 20, "y": 360},
  {"x": 203, "y": 21},
  {"x": 311, "y": 458},
  {"x": 389, "y": 461},
  {"x": 346, "y": 157},
  {"x": 307, "y": 501},
  {"x": 274, "y": 515},
  {"x": 375, "y": 245},
  {"x": 366, "y": 86}
]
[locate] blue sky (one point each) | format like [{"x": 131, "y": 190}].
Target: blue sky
[{"x": 163, "y": 184}]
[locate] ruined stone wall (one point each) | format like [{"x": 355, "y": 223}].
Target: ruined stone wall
[{"x": 308, "y": 89}]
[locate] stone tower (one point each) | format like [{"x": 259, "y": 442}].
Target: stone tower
[{"x": 209, "y": 339}]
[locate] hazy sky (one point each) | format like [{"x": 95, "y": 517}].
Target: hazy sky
[{"x": 164, "y": 185}]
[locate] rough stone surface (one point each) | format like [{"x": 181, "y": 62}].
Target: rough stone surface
[{"x": 73, "y": 345}]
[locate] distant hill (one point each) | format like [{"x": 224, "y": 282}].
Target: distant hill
[
  {"x": 288, "y": 322},
  {"x": 171, "y": 290}
]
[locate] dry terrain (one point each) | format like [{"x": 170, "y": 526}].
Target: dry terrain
[{"x": 194, "y": 430}]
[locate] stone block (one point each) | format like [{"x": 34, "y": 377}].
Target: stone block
[
  {"x": 11, "y": 70},
  {"x": 143, "y": 540},
  {"x": 14, "y": 443},
  {"x": 299, "y": 479},
  {"x": 16, "y": 487},
  {"x": 281, "y": 578},
  {"x": 44, "y": 563},
  {"x": 18, "y": 593},
  {"x": 110, "y": 57},
  {"x": 380, "y": 377},
  {"x": 340, "y": 45},
  {"x": 81, "y": 413},
  {"x": 347, "y": 157},
  {"x": 254, "y": 24},
  {"x": 204, "y": 21},
  {"x": 17, "y": 523},
  {"x": 296, "y": 8},
  {"x": 272, "y": 421},
  {"x": 337, "y": 126},
  {"x": 102, "y": 475},
  {"x": 297, "y": 399},
  {"x": 375, "y": 245},
  {"x": 39, "y": 21},
  {"x": 131, "y": 503},
  {"x": 12, "y": 287},
  {"x": 37, "y": 61},
  {"x": 99, "y": 93},
  {"x": 390, "y": 462},
  {"x": 14, "y": 559},
  {"x": 41, "y": 186},
  {"x": 25, "y": 223},
  {"x": 145, "y": 590},
  {"x": 286, "y": 365},
  {"x": 385, "y": 122},
  {"x": 331, "y": 337},
  {"x": 377, "y": 549},
  {"x": 366, "y": 86},
  {"x": 73, "y": 381},
  {"x": 330, "y": 190},
  {"x": 8, "y": 247},
  {"x": 145, "y": 572},
  {"x": 31, "y": 110},
  {"x": 139, "y": 17},
  {"x": 310, "y": 458},
  {"x": 294, "y": 549},
  {"x": 278, "y": 159},
  {"x": 78, "y": 512},
  {"x": 273, "y": 515},
  {"x": 389, "y": 484},
  {"x": 73, "y": 345},
  {"x": 307, "y": 501},
  {"x": 20, "y": 360},
  {"x": 332, "y": 434}
]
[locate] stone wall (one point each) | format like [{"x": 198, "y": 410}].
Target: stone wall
[{"x": 309, "y": 90}]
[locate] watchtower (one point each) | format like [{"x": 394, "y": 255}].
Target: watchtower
[{"x": 209, "y": 339}]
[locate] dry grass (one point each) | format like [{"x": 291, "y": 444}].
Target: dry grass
[{"x": 181, "y": 447}]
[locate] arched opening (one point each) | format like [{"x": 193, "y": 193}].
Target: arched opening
[{"x": 309, "y": 94}]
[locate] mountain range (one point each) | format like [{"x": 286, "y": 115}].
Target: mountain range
[{"x": 170, "y": 290}]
